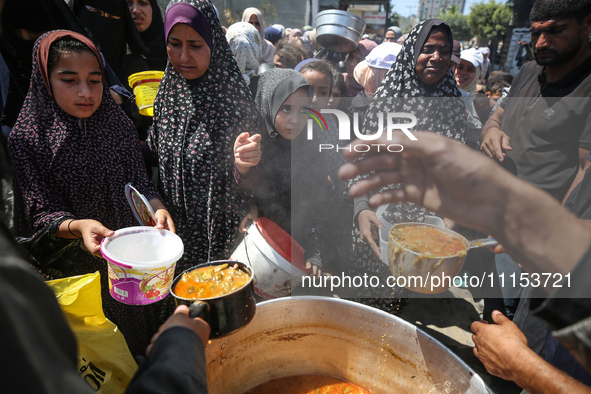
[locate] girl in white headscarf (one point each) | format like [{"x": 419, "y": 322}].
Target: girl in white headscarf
[
  {"x": 254, "y": 17},
  {"x": 245, "y": 42},
  {"x": 370, "y": 72},
  {"x": 467, "y": 74}
]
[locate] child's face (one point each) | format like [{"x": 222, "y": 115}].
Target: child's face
[
  {"x": 335, "y": 98},
  {"x": 290, "y": 119},
  {"x": 321, "y": 85},
  {"x": 493, "y": 98},
  {"x": 77, "y": 83},
  {"x": 465, "y": 73}
]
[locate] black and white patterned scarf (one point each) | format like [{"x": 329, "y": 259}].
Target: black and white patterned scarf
[
  {"x": 194, "y": 128},
  {"x": 438, "y": 108},
  {"x": 446, "y": 116}
]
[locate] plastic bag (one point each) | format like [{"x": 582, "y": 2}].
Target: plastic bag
[{"x": 104, "y": 360}]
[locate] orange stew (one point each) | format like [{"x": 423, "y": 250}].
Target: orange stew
[
  {"x": 211, "y": 281},
  {"x": 307, "y": 384},
  {"x": 428, "y": 241}
]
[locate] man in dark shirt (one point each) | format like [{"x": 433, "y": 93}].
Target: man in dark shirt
[
  {"x": 450, "y": 179},
  {"x": 542, "y": 132}
]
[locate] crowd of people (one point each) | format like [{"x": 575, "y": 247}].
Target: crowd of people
[{"x": 230, "y": 141}]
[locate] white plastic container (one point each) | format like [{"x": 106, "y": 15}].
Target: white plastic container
[
  {"x": 276, "y": 259},
  {"x": 141, "y": 263}
]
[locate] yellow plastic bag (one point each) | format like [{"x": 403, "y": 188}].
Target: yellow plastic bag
[{"x": 104, "y": 360}]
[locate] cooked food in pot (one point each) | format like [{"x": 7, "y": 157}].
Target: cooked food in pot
[
  {"x": 428, "y": 241},
  {"x": 307, "y": 384},
  {"x": 211, "y": 281}
]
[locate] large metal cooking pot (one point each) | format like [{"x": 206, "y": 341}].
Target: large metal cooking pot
[
  {"x": 320, "y": 335},
  {"x": 426, "y": 275},
  {"x": 339, "y": 31}
]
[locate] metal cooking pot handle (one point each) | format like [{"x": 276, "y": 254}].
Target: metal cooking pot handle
[
  {"x": 483, "y": 243},
  {"x": 199, "y": 309}
]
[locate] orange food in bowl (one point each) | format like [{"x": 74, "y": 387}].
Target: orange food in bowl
[
  {"x": 211, "y": 281},
  {"x": 427, "y": 241}
]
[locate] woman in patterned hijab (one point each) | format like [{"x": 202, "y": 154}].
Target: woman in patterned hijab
[
  {"x": 254, "y": 17},
  {"x": 245, "y": 42},
  {"x": 443, "y": 116},
  {"x": 203, "y": 111},
  {"x": 420, "y": 82}
]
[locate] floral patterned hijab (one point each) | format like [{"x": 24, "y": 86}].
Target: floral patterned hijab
[
  {"x": 194, "y": 128},
  {"x": 65, "y": 171},
  {"x": 443, "y": 116},
  {"x": 267, "y": 49},
  {"x": 438, "y": 108},
  {"x": 245, "y": 42}
]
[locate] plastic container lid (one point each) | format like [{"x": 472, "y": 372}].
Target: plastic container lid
[
  {"x": 142, "y": 247},
  {"x": 140, "y": 206},
  {"x": 282, "y": 242}
]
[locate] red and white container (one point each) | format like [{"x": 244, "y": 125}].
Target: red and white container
[{"x": 276, "y": 259}]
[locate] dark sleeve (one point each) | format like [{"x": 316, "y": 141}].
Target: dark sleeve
[
  {"x": 316, "y": 216},
  {"x": 140, "y": 174},
  {"x": 568, "y": 312},
  {"x": 128, "y": 106},
  {"x": 176, "y": 365},
  {"x": 253, "y": 179},
  {"x": 579, "y": 201},
  {"x": 42, "y": 205},
  {"x": 360, "y": 204},
  {"x": 570, "y": 303},
  {"x": 38, "y": 346}
]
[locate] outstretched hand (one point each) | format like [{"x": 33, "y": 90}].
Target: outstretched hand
[
  {"x": 499, "y": 346},
  {"x": 432, "y": 172},
  {"x": 495, "y": 143},
  {"x": 367, "y": 219},
  {"x": 92, "y": 232},
  {"x": 163, "y": 218},
  {"x": 180, "y": 318},
  {"x": 247, "y": 152}
]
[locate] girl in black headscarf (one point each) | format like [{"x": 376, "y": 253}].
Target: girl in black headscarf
[
  {"x": 420, "y": 83},
  {"x": 203, "y": 117},
  {"x": 294, "y": 184}
]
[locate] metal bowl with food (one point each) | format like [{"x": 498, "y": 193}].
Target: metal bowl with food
[
  {"x": 319, "y": 335},
  {"x": 426, "y": 258},
  {"x": 221, "y": 292}
]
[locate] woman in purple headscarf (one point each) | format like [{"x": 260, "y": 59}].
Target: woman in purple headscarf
[{"x": 202, "y": 133}]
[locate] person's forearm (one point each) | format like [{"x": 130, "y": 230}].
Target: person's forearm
[
  {"x": 70, "y": 229},
  {"x": 529, "y": 220},
  {"x": 536, "y": 376},
  {"x": 494, "y": 121},
  {"x": 578, "y": 178}
]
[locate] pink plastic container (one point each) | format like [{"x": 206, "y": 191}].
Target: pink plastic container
[{"x": 141, "y": 263}]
